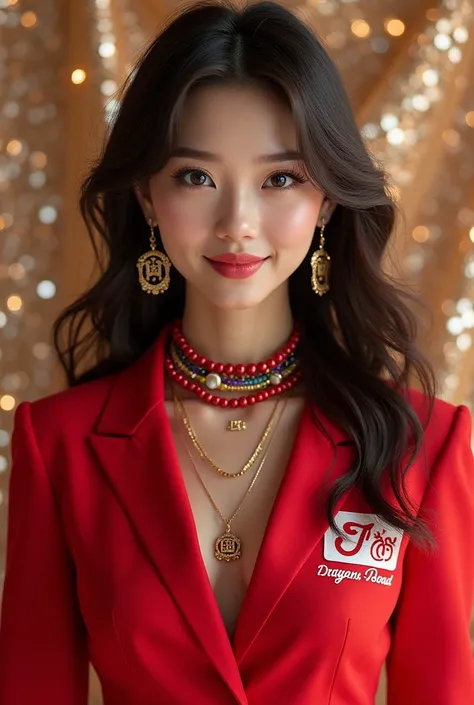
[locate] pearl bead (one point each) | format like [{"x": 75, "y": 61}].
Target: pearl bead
[
  {"x": 275, "y": 378},
  {"x": 213, "y": 381}
]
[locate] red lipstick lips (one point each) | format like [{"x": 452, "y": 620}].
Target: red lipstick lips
[{"x": 240, "y": 266}]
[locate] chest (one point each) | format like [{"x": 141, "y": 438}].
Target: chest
[{"x": 249, "y": 499}]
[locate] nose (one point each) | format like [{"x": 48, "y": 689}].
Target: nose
[{"x": 239, "y": 217}]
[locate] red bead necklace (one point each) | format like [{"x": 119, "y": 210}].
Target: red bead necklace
[{"x": 265, "y": 379}]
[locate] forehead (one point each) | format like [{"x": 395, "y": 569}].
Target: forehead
[{"x": 236, "y": 120}]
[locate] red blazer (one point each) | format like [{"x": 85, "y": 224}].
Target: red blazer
[{"x": 103, "y": 564}]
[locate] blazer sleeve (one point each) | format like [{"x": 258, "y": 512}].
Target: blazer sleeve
[
  {"x": 43, "y": 646},
  {"x": 431, "y": 660}
]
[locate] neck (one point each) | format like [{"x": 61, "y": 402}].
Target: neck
[{"x": 237, "y": 336}]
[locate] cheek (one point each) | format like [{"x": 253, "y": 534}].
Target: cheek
[
  {"x": 292, "y": 224},
  {"x": 180, "y": 222}
]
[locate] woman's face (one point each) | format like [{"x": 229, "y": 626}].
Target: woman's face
[{"x": 234, "y": 187}]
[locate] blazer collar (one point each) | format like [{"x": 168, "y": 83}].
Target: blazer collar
[{"x": 135, "y": 447}]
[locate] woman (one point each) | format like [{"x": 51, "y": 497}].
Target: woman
[{"x": 240, "y": 500}]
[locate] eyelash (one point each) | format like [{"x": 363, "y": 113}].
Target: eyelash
[{"x": 297, "y": 176}]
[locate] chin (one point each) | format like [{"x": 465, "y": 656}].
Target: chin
[{"x": 236, "y": 301}]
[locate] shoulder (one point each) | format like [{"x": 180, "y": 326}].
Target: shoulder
[
  {"x": 447, "y": 446},
  {"x": 444, "y": 416},
  {"x": 447, "y": 429},
  {"x": 73, "y": 410}
]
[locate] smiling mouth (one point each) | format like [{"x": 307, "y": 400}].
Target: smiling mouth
[{"x": 240, "y": 266}]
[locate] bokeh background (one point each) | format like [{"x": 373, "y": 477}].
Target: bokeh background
[{"x": 408, "y": 66}]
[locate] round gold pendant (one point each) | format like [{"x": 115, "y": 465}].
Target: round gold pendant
[{"x": 228, "y": 547}]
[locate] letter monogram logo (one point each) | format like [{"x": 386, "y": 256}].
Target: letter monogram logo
[{"x": 366, "y": 540}]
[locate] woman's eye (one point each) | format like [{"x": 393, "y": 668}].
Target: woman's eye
[
  {"x": 282, "y": 180},
  {"x": 279, "y": 180},
  {"x": 285, "y": 180},
  {"x": 193, "y": 177}
]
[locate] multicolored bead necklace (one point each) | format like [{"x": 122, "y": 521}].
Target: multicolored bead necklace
[{"x": 259, "y": 381}]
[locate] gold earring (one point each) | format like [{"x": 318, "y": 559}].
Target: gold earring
[
  {"x": 153, "y": 268},
  {"x": 320, "y": 267}
]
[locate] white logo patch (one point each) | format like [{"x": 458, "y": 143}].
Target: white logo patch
[{"x": 367, "y": 541}]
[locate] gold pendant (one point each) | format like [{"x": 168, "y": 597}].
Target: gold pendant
[
  {"x": 228, "y": 547},
  {"x": 321, "y": 267},
  {"x": 154, "y": 272},
  {"x": 236, "y": 425}
]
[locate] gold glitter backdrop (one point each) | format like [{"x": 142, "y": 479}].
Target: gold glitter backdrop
[{"x": 408, "y": 67}]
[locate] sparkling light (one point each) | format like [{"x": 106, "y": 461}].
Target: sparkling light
[
  {"x": 78, "y": 76},
  {"x": 48, "y": 214},
  {"x": 14, "y": 147},
  {"x": 395, "y": 136},
  {"x": 360, "y": 28},
  {"x": 14, "y": 303},
  {"x": 455, "y": 55},
  {"x": 442, "y": 42},
  {"x": 29, "y": 19},
  {"x": 106, "y": 49},
  {"x": 464, "y": 341},
  {"x": 46, "y": 289},
  {"x": 394, "y": 27},
  {"x": 461, "y": 35},
  {"x": 389, "y": 122},
  {"x": 108, "y": 87},
  {"x": 420, "y": 102},
  {"x": 421, "y": 233},
  {"x": 470, "y": 118},
  {"x": 7, "y": 402},
  {"x": 455, "y": 325},
  {"x": 471, "y": 234},
  {"x": 430, "y": 77}
]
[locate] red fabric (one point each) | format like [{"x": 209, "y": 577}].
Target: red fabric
[{"x": 103, "y": 563}]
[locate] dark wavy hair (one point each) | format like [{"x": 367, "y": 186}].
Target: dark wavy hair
[{"x": 359, "y": 348}]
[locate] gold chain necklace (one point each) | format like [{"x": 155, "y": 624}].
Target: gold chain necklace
[
  {"x": 228, "y": 547},
  {"x": 204, "y": 455}
]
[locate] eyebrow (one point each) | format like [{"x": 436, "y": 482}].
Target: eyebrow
[{"x": 286, "y": 156}]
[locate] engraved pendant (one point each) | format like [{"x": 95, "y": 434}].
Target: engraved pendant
[
  {"x": 154, "y": 272},
  {"x": 320, "y": 265},
  {"x": 228, "y": 547},
  {"x": 236, "y": 425}
]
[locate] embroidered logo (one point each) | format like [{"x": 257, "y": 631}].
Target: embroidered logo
[{"x": 366, "y": 540}]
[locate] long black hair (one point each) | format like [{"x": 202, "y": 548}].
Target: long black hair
[{"x": 359, "y": 349}]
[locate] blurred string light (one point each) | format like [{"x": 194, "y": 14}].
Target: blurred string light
[
  {"x": 29, "y": 205},
  {"x": 105, "y": 46},
  {"x": 114, "y": 69},
  {"x": 403, "y": 127}
]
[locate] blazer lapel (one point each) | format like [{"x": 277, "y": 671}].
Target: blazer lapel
[
  {"x": 134, "y": 444},
  {"x": 297, "y": 522}
]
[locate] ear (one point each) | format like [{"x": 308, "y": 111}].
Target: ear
[
  {"x": 142, "y": 192},
  {"x": 327, "y": 209}
]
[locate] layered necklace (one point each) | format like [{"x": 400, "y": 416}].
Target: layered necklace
[
  {"x": 228, "y": 546},
  {"x": 251, "y": 383},
  {"x": 255, "y": 382}
]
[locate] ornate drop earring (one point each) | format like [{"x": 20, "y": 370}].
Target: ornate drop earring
[
  {"x": 153, "y": 267},
  {"x": 320, "y": 267}
]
